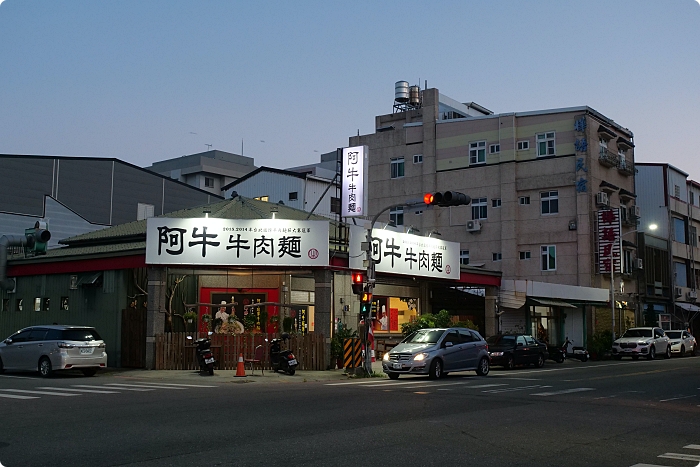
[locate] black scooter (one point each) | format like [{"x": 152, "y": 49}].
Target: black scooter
[
  {"x": 559, "y": 354},
  {"x": 205, "y": 357},
  {"x": 282, "y": 359}
]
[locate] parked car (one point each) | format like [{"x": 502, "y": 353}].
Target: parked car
[
  {"x": 682, "y": 343},
  {"x": 436, "y": 352},
  {"x": 638, "y": 342},
  {"x": 50, "y": 348},
  {"x": 508, "y": 350}
]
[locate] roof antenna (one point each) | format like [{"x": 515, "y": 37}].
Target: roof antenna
[
  {"x": 208, "y": 146},
  {"x": 358, "y": 132}
]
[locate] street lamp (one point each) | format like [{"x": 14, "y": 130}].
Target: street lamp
[{"x": 618, "y": 238}]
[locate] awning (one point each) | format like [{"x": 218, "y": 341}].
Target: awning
[
  {"x": 688, "y": 306},
  {"x": 90, "y": 280},
  {"x": 551, "y": 302}
]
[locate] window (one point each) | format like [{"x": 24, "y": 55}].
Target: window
[
  {"x": 335, "y": 205},
  {"x": 396, "y": 215},
  {"x": 679, "y": 230},
  {"x": 496, "y": 203},
  {"x": 479, "y": 208},
  {"x": 524, "y": 200},
  {"x": 496, "y": 256},
  {"x": 603, "y": 145},
  {"x": 262, "y": 198},
  {"x": 524, "y": 255},
  {"x": 397, "y": 167},
  {"x": 37, "y": 304},
  {"x": 418, "y": 213},
  {"x": 523, "y": 145},
  {"x": 464, "y": 257},
  {"x": 549, "y": 257},
  {"x": 550, "y": 202},
  {"x": 418, "y": 158},
  {"x": 494, "y": 149},
  {"x": 676, "y": 191},
  {"x": 691, "y": 197},
  {"x": 144, "y": 211},
  {"x": 681, "y": 273},
  {"x": 19, "y": 304},
  {"x": 545, "y": 144},
  {"x": 208, "y": 182},
  {"x": 693, "y": 236},
  {"x": 477, "y": 152},
  {"x": 293, "y": 195},
  {"x": 47, "y": 304},
  {"x": 64, "y": 303},
  {"x": 627, "y": 264}
]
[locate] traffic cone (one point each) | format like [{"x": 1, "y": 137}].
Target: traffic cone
[{"x": 240, "y": 368}]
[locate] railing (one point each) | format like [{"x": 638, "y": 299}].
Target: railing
[
  {"x": 608, "y": 159},
  {"x": 625, "y": 167},
  {"x": 175, "y": 352}
]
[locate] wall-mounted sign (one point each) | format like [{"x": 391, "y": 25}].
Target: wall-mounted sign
[
  {"x": 609, "y": 240},
  {"x": 400, "y": 253},
  {"x": 354, "y": 167},
  {"x": 231, "y": 242}
]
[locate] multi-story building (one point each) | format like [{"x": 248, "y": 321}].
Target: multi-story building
[
  {"x": 670, "y": 209},
  {"x": 539, "y": 182}
]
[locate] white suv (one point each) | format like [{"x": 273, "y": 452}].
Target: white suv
[{"x": 647, "y": 342}]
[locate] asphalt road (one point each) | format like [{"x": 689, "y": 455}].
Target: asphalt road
[{"x": 629, "y": 413}]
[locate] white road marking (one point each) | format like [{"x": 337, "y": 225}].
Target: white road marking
[
  {"x": 683, "y": 457},
  {"x": 486, "y": 386},
  {"x": 46, "y": 393},
  {"x": 79, "y": 390},
  {"x": 178, "y": 384},
  {"x": 428, "y": 385},
  {"x": 521, "y": 388},
  {"x": 144, "y": 386},
  {"x": 692, "y": 446},
  {"x": 648, "y": 465},
  {"x": 563, "y": 391},
  {"x": 358, "y": 382},
  {"x": 390, "y": 384},
  {"x": 676, "y": 398},
  {"x": 15, "y": 396},
  {"x": 102, "y": 387}
]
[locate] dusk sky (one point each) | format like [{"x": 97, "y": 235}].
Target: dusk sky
[{"x": 149, "y": 80}]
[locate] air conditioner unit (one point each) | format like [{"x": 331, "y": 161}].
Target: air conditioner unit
[
  {"x": 635, "y": 211},
  {"x": 692, "y": 295},
  {"x": 639, "y": 263},
  {"x": 679, "y": 292},
  {"x": 602, "y": 199},
  {"x": 473, "y": 226}
]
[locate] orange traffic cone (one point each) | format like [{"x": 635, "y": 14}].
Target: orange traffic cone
[{"x": 240, "y": 368}]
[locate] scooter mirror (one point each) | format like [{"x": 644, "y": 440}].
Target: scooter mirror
[{"x": 189, "y": 338}]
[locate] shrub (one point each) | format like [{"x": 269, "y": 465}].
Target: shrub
[
  {"x": 441, "y": 319},
  {"x": 600, "y": 343}
]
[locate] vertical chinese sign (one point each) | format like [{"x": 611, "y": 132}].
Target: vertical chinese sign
[
  {"x": 609, "y": 240},
  {"x": 354, "y": 168}
]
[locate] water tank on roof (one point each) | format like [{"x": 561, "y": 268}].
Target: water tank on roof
[
  {"x": 401, "y": 91},
  {"x": 414, "y": 95}
]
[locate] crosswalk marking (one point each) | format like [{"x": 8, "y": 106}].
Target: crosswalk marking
[
  {"x": 692, "y": 446},
  {"x": 676, "y": 398},
  {"x": 683, "y": 457},
  {"x": 16, "y": 396},
  {"x": 102, "y": 387},
  {"x": 180, "y": 384},
  {"x": 563, "y": 391},
  {"x": 143, "y": 386},
  {"x": 521, "y": 388},
  {"x": 46, "y": 393},
  {"x": 390, "y": 384},
  {"x": 648, "y": 465},
  {"x": 433, "y": 385},
  {"x": 95, "y": 391},
  {"x": 355, "y": 382}
]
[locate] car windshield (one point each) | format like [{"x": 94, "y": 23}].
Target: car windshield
[
  {"x": 674, "y": 334},
  {"x": 425, "y": 336},
  {"x": 80, "y": 335},
  {"x": 501, "y": 340},
  {"x": 637, "y": 333}
]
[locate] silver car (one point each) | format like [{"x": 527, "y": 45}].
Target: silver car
[
  {"x": 682, "y": 342},
  {"x": 642, "y": 342},
  {"x": 50, "y": 348},
  {"x": 437, "y": 351}
]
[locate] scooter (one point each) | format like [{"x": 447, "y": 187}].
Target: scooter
[
  {"x": 556, "y": 353},
  {"x": 205, "y": 357},
  {"x": 576, "y": 352},
  {"x": 282, "y": 359}
]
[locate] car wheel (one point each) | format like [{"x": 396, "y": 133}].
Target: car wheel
[
  {"x": 618, "y": 357},
  {"x": 540, "y": 361},
  {"x": 682, "y": 351},
  {"x": 667, "y": 355},
  {"x": 2, "y": 368},
  {"x": 652, "y": 353},
  {"x": 393, "y": 375},
  {"x": 45, "y": 369},
  {"x": 483, "y": 368},
  {"x": 436, "y": 369},
  {"x": 89, "y": 371},
  {"x": 510, "y": 363}
]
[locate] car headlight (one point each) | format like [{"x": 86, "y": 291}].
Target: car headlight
[
  {"x": 420, "y": 357},
  {"x": 616, "y": 344},
  {"x": 386, "y": 356},
  {"x": 496, "y": 354}
]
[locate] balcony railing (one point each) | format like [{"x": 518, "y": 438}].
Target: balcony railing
[
  {"x": 606, "y": 158},
  {"x": 625, "y": 167}
]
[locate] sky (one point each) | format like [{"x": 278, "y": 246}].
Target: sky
[{"x": 148, "y": 80}]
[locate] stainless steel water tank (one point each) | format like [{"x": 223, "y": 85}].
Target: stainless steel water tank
[
  {"x": 414, "y": 95},
  {"x": 401, "y": 91}
]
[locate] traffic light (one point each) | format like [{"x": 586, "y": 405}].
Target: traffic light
[
  {"x": 365, "y": 304},
  {"x": 358, "y": 283},
  {"x": 446, "y": 198}
]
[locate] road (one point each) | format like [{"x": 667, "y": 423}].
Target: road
[{"x": 629, "y": 413}]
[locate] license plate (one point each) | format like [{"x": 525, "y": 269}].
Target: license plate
[
  {"x": 396, "y": 366},
  {"x": 209, "y": 360},
  {"x": 87, "y": 350},
  {"x": 292, "y": 362}
]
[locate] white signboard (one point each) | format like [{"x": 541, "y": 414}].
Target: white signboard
[
  {"x": 400, "y": 253},
  {"x": 231, "y": 242},
  {"x": 355, "y": 162},
  {"x": 609, "y": 240}
]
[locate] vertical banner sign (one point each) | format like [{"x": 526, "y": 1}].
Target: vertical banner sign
[
  {"x": 609, "y": 240},
  {"x": 354, "y": 168}
]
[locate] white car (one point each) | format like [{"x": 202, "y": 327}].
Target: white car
[
  {"x": 682, "y": 343},
  {"x": 646, "y": 342}
]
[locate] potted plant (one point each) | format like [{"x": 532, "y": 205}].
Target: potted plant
[{"x": 190, "y": 317}]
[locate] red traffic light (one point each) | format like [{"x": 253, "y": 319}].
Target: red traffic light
[
  {"x": 358, "y": 280},
  {"x": 447, "y": 198}
]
